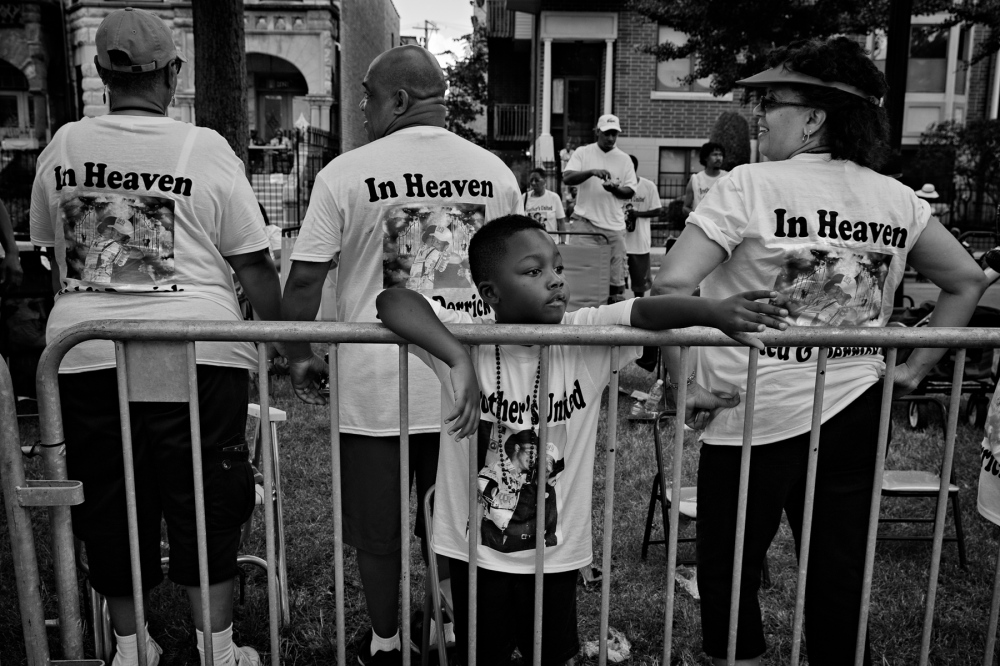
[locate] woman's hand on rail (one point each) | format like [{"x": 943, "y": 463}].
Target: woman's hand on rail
[
  {"x": 307, "y": 377},
  {"x": 464, "y": 418},
  {"x": 741, "y": 314},
  {"x": 904, "y": 380},
  {"x": 701, "y": 405}
]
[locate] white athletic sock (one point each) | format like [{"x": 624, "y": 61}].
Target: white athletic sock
[
  {"x": 223, "y": 653},
  {"x": 128, "y": 653},
  {"x": 385, "y": 644}
]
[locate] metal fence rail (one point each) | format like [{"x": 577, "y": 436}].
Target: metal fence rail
[{"x": 130, "y": 333}]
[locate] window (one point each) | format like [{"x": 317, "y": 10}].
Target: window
[
  {"x": 928, "y": 67},
  {"x": 962, "y": 71},
  {"x": 670, "y": 73},
  {"x": 676, "y": 167}
]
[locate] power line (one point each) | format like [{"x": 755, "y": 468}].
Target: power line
[{"x": 428, "y": 27}]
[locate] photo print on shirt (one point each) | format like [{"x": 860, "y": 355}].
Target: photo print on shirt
[
  {"x": 824, "y": 286},
  {"x": 508, "y": 486},
  {"x": 426, "y": 246},
  {"x": 119, "y": 243}
]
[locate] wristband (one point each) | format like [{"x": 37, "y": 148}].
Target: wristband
[{"x": 690, "y": 380}]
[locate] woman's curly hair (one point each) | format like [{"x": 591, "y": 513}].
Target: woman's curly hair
[{"x": 856, "y": 129}]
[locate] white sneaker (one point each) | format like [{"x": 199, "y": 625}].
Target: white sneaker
[{"x": 246, "y": 656}]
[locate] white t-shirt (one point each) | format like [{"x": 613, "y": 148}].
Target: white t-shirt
[
  {"x": 577, "y": 378},
  {"x": 545, "y": 209},
  {"x": 140, "y": 212},
  {"x": 646, "y": 198},
  {"x": 593, "y": 202},
  {"x": 989, "y": 469},
  {"x": 399, "y": 212},
  {"x": 833, "y": 238},
  {"x": 701, "y": 183}
]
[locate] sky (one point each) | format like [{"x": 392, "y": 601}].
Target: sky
[{"x": 453, "y": 19}]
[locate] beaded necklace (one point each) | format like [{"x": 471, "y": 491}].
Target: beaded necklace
[
  {"x": 501, "y": 428},
  {"x": 508, "y": 477}
]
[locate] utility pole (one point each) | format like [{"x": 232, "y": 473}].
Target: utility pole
[{"x": 428, "y": 27}]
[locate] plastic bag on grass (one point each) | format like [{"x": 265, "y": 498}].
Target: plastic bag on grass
[{"x": 619, "y": 647}]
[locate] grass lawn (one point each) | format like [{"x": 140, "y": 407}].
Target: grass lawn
[{"x": 638, "y": 586}]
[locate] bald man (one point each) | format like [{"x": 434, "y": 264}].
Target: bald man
[{"x": 377, "y": 216}]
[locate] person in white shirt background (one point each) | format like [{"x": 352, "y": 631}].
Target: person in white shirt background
[
  {"x": 638, "y": 212},
  {"x": 711, "y": 156},
  {"x": 543, "y": 205}
]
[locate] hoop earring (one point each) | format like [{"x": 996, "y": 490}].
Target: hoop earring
[
  {"x": 104, "y": 95},
  {"x": 805, "y": 135}
]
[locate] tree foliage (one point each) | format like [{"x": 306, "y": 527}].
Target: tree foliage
[
  {"x": 967, "y": 154},
  {"x": 467, "y": 90},
  {"x": 730, "y": 40},
  {"x": 732, "y": 131}
]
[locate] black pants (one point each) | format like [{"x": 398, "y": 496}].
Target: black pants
[{"x": 844, "y": 480}]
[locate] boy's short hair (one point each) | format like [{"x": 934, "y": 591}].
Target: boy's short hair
[
  {"x": 489, "y": 245},
  {"x": 538, "y": 170},
  {"x": 708, "y": 148},
  {"x": 635, "y": 162}
]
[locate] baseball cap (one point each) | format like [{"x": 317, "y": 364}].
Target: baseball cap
[
  {"x": 140, "y": 35},
  {"x": 608, "y": 122}
]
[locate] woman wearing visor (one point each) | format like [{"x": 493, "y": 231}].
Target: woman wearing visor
[{"x": 816, "y": 224}]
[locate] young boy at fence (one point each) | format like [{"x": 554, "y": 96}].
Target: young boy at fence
[{"x": 518, "y": 271}]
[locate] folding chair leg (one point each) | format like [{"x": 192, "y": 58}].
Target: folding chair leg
[
  {"x": 425, "y": 629},
  {"x": 649, "y": 515},
  {"x": 765, "y": 574},
  {"x": 959, "y": 533}
]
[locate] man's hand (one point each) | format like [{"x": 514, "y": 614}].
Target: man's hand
[
  {"x": 701, "y": 406},
  {"x": 603, "y": 174},
  {"x": 307, "y": 375},
  {"x": 904, "y": 380},
  {"x": 464, "y": 418},
  {"x": 11, "y": 272},
  {"x": 740, "y": 314}
]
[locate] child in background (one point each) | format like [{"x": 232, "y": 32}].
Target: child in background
[
  {"x": 543, "y": 205},
  {"x": 518, "y": 271}
]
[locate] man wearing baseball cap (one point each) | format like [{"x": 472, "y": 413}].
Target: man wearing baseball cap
[
  {"x": 605, "y": 180},
  {"x": 175, "y": 202}
]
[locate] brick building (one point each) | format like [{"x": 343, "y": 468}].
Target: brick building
[
  {"x": 556, "y": 65},
  {"x": 304, "y": 61}
]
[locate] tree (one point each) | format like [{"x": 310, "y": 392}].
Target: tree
[
  {"x": 730, "y": 40},
  {"x": 966, "y": 156},
  {"x": 220, "y": 70},
  {"x": 732, "y": 131},
  {"x": 466, "y": 101}
]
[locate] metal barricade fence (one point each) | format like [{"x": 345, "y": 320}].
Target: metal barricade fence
[{"x": 143, "y": 343}]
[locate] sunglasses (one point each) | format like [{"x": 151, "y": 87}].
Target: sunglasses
[{"x": 767, "y": 102}]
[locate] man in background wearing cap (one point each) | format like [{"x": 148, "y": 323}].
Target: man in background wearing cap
[
  {"x": 605, "y": 177},
  {"x": 173, "y": 202}
]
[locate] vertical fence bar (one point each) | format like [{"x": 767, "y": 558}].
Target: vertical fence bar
[
  {"x": 609, "y": 506},
  {"x": 675, "y": 506},
  {"x": 885, "y": 418},
  {"x": 540, "y": 466},
  {"x": 22, "y": 538},
  {"x": 270, "y": 468},
  {"x": 130, "y": 505},
  {"x": 991, "y": 631},
  {"x": 741, "y": 507},
  {"x": 338, "y": 516},
  {"x": 404, "y": 494},
  {"x": 199, "y": 506},
  {"x": 475, "y": 516},
  {"x": 61, "y": 521},
  {"x": 810, "y": 501},
  {"x": 942, "y": 503}
]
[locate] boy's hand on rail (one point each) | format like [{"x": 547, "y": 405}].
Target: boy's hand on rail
[
  {"x": 904, "y": 380},
  {"x": 464, "y": 418},
  {"x": 741, "y": 314},
  {"x": 307, "y": 375},
  {"x": 701, "y": 405}
]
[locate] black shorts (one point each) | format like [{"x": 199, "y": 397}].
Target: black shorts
[
  {"x": 161, "y": 445},
  {"x": 505, "y": 615},
  {"x": 370, "y": 488},
  {"x": 639, "y": 276}
]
